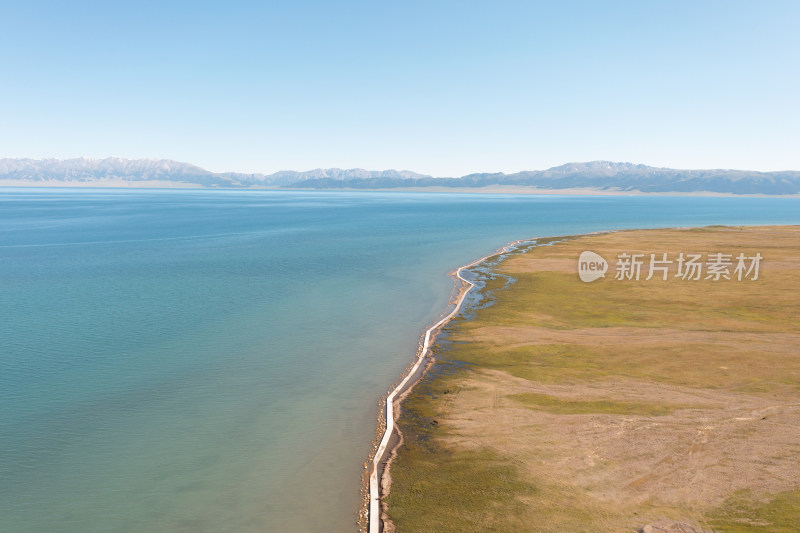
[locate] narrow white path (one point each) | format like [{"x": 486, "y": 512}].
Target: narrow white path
[{"x": 374, "y": 487}]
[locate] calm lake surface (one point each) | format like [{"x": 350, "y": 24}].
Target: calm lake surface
[{"x": 212, "y": 361}]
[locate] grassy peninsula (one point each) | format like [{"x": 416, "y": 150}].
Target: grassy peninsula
[{"x": 616, "y": 405}]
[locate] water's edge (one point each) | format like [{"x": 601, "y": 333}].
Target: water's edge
[{"x": 373, "y": 517}]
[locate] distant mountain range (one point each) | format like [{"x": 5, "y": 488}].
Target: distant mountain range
[
  {"x": 595, "y": 175},
  {"x": 83, "y": 171}
]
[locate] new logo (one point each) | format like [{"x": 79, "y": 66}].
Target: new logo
[{"x": 591, "y": 266}]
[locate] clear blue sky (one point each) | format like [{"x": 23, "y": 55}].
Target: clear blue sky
[{"x": 444, "y": 88}]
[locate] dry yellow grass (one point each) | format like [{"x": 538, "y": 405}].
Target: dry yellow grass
[{"x": 612, "y": 405}]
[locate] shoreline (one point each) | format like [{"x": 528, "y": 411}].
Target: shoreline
[{"x": 378, "y": 479}]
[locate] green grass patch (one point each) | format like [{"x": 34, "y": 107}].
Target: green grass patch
[
  {"x": 744, "y": 513},
  {"x": 675, "y": 363},
  {"x": 560, "y": 406},
  {"x": 438, "y": 490},
  {"x": 570, "y": 303}
]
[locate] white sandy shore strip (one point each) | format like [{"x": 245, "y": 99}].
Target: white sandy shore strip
[{"x": 374, "y": 488}]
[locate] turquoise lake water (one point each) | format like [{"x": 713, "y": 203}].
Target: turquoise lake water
[{"x": 212, "y": 361}]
